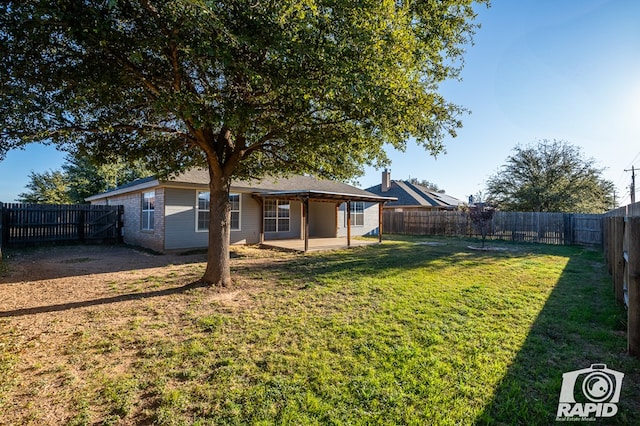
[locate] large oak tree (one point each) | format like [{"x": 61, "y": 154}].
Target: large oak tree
[{"x": 244, "y": 87}]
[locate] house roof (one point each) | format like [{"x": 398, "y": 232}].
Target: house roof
[
  {"x": 296, "y": 186},
  {"x": 411, "y": 195}
]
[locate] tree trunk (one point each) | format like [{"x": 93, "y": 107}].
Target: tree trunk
[{"x": 218, "y": 272}]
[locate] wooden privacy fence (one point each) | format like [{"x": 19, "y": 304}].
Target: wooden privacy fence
[
  {"x": 622, "y": 252},
  {"x": 31, "y": 224},
  {"x": 549, "y": 228}
]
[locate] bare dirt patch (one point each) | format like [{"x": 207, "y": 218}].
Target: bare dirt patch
[{"x": 56, "y": 302}]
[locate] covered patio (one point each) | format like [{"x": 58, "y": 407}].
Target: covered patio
[
  {"x": 318, "y": 244},
  {"x": 306, "y": 243}
]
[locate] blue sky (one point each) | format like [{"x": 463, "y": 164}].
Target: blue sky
[{"x": 539, "y": 69}]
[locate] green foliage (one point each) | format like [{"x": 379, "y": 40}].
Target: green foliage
[
  {"x": 550, "y": 176},
  {"x": 86, "y": 177},
  {"x": 250, "y": 87},
  {"x": 79, "y": 179},
  {"x": 47, "y": 187},
  {"x": 429, "y": 185}
]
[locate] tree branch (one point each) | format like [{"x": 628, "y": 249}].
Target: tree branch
[
  {"x": 129, "y": 127},
  {"x": 155, "y": 91}
]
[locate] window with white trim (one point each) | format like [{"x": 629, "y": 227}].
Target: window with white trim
[
  {"x": 203, "y": 210},
  {"x": 234, "y": 200},
  {"x": 276, "y": 215},
  {"x": 357, "y": 214},
  {"x": 148, "y": 210}
]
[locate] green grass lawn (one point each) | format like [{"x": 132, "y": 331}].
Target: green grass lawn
[{"x": 401, "y": 333}]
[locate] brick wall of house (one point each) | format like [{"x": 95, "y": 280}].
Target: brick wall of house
[{"x": 132, "y": 230}]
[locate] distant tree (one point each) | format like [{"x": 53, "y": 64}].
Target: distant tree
[
  {"x": 79, "y": 179},
  {"x": 48, "y": 187},
  {"x": 481, "y": 216},
  {"x": 429, "y": 185},
  {"x": 86, "y": 178},
  {"x": 550, "y": 176}
]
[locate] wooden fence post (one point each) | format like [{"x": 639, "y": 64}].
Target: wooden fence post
[
  {"x": 618, "y": 258},
  {"x": 605, "y": 239},
  {"x": 566, "y": 229},
  {"x": 611, "y": 243},
  {"x": 1, "y": 232},
  {"x": 4, "y": 226},
  {"x": 81, "y": 222},
  {"x": 120, "y": 225},
  {"x": 633, "y": 283}
]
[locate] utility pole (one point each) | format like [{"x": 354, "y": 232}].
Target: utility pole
[{"x": 633, "y": 183}]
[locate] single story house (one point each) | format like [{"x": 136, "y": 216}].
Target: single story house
[
  {"x": 410, "y": 196},
  {"x": 173, "y": 214}
]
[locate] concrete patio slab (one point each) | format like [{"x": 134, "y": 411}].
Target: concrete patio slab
[{"x": 317, "y": 244}]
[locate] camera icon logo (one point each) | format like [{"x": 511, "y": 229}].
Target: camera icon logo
[{"x": 590, "y": 392}]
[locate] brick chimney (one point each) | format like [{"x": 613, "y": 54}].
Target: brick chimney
[{"x": 386, "y": 180}]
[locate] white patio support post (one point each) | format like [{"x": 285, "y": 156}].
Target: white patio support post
[{"x": 1, "y": 232}]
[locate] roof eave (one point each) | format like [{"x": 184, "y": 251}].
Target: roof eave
[
  {"x": 115, "y": 192},
  {"x": 322, "y": 195}
]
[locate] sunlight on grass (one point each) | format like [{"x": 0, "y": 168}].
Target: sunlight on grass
[{"x": 400, "y": 333}]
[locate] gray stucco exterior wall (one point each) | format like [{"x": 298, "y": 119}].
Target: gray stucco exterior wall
[
  {"x": 322, "y": 220},
  {"x": 370, "y": 226},
  {"x": 180, "y": 227},
  {"x": 181, "y": 216}
]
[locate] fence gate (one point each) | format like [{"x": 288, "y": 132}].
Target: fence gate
[{"x": 32, "y": 224}]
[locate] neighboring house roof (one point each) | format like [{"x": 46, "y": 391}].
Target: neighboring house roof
[
  {"x": 293, "y": 186},
  {"x": 411, "y": 195}
]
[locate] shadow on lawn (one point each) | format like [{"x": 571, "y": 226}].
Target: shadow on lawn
[
  {"x": 102, "y": 301},
  {"x": 580, "y": 325},
  {"x": 47, "y": 263},
  {"x": 76, "y": 261}
]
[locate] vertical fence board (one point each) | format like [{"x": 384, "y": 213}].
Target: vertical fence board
[
  {"x": 548, "y": 228},
  {"x": 618, "y": 263},
  {"x": 621, "y": 230},
  {"x": 633, "y": 284},
  {"x": 28, "y": 224},
  {"x": 1, "y": 229}
]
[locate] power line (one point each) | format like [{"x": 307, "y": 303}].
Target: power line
[
  {"x": 632, "y": 188},
  {"x": 634, "y": 159}
]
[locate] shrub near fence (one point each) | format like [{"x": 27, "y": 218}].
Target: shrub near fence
[
  {"x": 31, "y": 224},
  {"x": 548, "y": 228}
]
